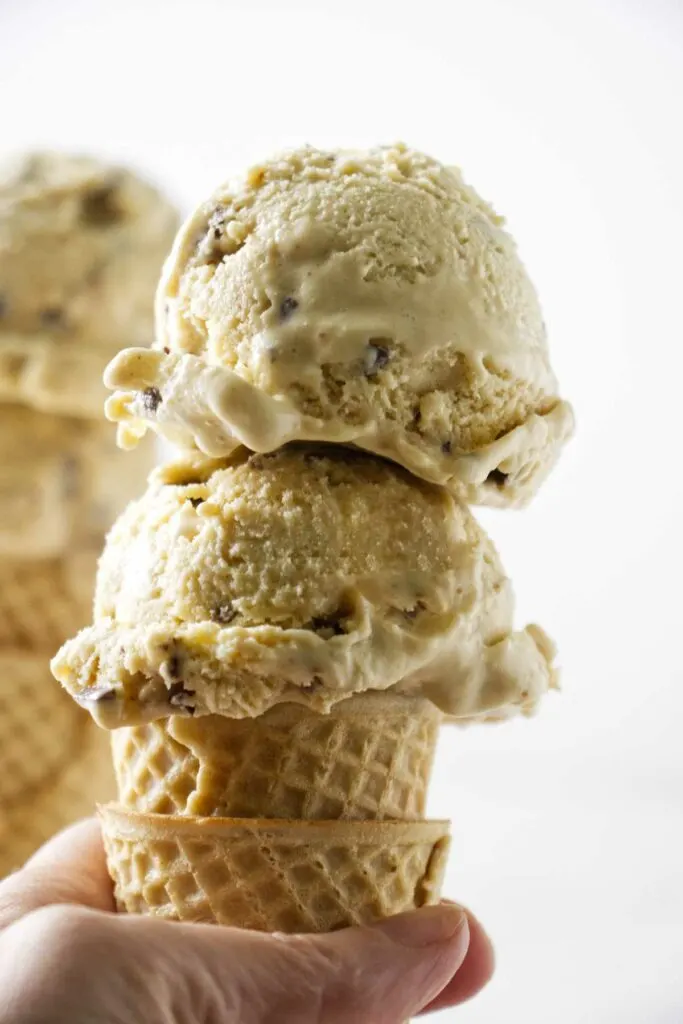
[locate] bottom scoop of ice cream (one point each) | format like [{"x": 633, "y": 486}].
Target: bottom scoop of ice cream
[{"x": 303, "y": 576}]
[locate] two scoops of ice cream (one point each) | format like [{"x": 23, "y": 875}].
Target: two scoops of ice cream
[{"x": 349, "y": 352}]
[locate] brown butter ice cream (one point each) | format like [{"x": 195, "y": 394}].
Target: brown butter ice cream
[
  {"x": 366, "y": 298},
  {"x": 304, "y": 576}
]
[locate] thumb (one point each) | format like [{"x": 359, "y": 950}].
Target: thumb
[{"x": 379, "y": 974}]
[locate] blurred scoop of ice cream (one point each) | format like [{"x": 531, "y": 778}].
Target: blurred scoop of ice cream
[{"x": 81, "y": 248}]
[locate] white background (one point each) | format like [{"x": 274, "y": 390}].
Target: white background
[{"x": 568, "y": 829}]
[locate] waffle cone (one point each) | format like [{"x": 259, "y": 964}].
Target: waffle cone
[
  {"x": 369, "y": 758},
  {"x": 43, "y": 601},
  {"x": 288, "y": 876},
  {"x": 62, "y": 796},
  {"x": 41, "y": 729}
]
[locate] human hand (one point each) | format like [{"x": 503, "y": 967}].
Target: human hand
[{"x": 67, "y": 958}]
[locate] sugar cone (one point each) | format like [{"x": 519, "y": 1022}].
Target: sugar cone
[
  {"x": 289, "y": 876},
  {"x": 54, "y": 762},
  {"x": 42, "y": 601},
  {"x": 370, "y": 758}
]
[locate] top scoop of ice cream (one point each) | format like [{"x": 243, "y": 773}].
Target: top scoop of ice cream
[
  {"x": 362, "y": 298},
  {"x": 303, "y": 576},
  {"x": 81, "y": 248}
]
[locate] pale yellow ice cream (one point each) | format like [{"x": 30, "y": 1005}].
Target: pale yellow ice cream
[
  {"x": 62, "y": 482},
  {"x": 366, "y": 298},
  {"x": 81, "y": 248},
  {"x": 306, "y": 575}
]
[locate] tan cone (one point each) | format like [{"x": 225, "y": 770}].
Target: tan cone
[
  {"x": 42, "y": 601},
  {"x": 370, "y": 758},
  {"x": 55, "y": 764},
  {"x": 272, "y": 875}
]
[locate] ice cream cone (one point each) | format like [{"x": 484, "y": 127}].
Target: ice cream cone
[
  {"x": 42, "y": 601},
  {"x": 288, "y": 763},
  {"x": 40, "y": 728},
  {"x": 288, "y": 876},
  {"x": 54, "y": 763}
]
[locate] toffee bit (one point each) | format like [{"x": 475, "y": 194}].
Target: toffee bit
[
  {"x": 166, "y": 349},
  {"x": 496, "y": 476},
  {"x": 52, "y": 316},
  {"x": 217, "y": 221},
  {"x": 447, "y": 447},
  {"x": 287, "y": 307},
  {"x": 212, "y": 257},
  {"x": 173, "y": 667},
  {"x": 177, "y": 693},
  {"x": 256, "y": 176},
  {"x": 314, "y": 685},
  {"x": 376, "y": 358},
  {"x": 328, "y": 624},
  {"x": 412, "y": 613},
  {"x": 208, "y": 247},
  {"x": 99, "y": 206},
  {"x": 151, "y": 399},
  {"x": 224, "y": 614}
]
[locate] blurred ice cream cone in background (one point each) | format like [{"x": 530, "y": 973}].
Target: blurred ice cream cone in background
[{"x": 81, "y": 245}]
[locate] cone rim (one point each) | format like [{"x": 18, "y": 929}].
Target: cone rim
[{"x": 140, "y": 825}]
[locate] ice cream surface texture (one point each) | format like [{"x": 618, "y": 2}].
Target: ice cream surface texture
[
  {"x": 371, "y": 299},
  {"x": 81, "y": 246},
  {"x": 303, "y": 576}
]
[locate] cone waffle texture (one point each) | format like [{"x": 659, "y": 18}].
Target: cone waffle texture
[
  {"x": 272, "y": 876},
  {"x": 70, "y": 792},
  {"x": 288, "y": 763},
  {"x": 55, "y": 763},
  {"x": 41, "y": 729},
  {"x": 43, "y": 601}
]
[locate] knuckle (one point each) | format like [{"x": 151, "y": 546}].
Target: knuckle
[{"x": 70, "y": 932}]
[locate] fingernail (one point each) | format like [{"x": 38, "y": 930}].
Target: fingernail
[{"x": 425, "y": 927}]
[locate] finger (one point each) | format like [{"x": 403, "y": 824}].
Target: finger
[
  {"x": 475, "y": 972},
  {"x": 379, "y": 974},
  {"x": 70, "y": 868}
]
